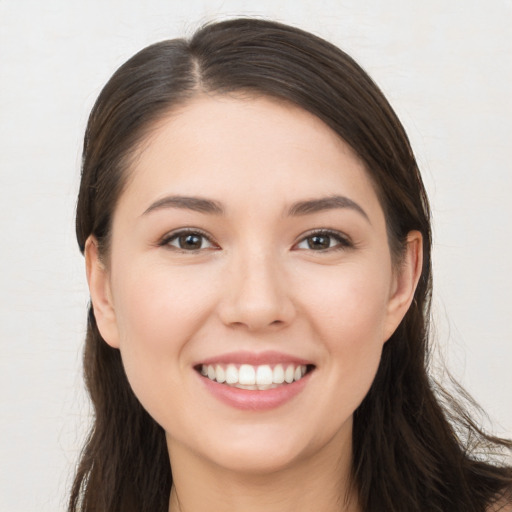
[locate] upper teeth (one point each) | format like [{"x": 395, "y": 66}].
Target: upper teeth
[{"x": 254, "y": 377}]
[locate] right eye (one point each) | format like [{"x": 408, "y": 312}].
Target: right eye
[{"x": 188, "y": 241}]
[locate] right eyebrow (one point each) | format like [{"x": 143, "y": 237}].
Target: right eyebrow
[
  {"x": 196, "y": 204},
  {"x": 326, "y": 203}
]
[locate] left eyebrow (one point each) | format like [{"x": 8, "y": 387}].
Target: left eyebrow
[
  {"x": 196, "y": 204},
  {"x": 325, "y": 203}
]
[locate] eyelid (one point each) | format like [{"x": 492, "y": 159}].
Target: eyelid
[
  {"x": 344, "y": 241},
  {"x": 176, "y": 233}
]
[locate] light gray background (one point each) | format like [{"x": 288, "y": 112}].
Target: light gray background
[{"x": 445, "y": 66}]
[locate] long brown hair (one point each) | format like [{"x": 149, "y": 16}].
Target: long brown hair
[{"x": 408, "y": 450}]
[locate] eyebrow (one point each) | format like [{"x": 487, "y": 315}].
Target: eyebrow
[
  {"x": 325, "y": 203},
  {"x": 299, "y": 208},
  {"x": 196, "y": 204}
]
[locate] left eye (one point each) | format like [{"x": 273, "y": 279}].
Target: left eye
[
  {"x": 189, "y": 241},
  {"x": 323, "y": 241}
]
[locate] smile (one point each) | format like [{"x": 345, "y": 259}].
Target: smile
[
  {"x": 255, "y": 382},
  {"x": 251, "y": 377}
]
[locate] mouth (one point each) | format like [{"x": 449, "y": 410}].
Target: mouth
[
  {"x": 260, "y": 377},
  {"x": 255, "y": 382}
]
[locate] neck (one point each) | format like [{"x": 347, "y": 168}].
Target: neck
[{"x": 317, "y": 482}]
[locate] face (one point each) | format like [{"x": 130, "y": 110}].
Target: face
[{"x": 249, "y": 284}]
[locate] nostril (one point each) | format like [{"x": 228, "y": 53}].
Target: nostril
[{"x": 257, "y": 324}]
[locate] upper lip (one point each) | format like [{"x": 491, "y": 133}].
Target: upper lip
[{"x": 269, "y": 357}]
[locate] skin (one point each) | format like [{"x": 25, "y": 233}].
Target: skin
[{"x": 255, "y": 284}]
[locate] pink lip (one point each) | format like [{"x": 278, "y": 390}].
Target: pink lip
[
  {"x": 269, "y": 357},
  {"x": 255, "y": 400},
  {"x": 248, "y": 399}
]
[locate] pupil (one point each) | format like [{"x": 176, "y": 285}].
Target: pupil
[
  {"x": 319, "y": 242},
  {"x": 190, "y": 241}
]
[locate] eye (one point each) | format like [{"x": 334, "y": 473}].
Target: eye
[
  {"x": 188, "y": 240},
  {"x": 323, "y": 241}
]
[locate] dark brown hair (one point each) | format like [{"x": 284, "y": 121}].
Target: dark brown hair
[{"x": 414, "y": 448}]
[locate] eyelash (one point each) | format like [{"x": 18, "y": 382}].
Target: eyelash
[
  {"x": 342, "y": 241},
  {"x": 176, "y": 235}
]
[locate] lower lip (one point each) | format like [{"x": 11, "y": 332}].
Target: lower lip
[{"x": 255, "y": 400}]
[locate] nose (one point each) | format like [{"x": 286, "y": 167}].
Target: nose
[{"x": 256, "y": 295}]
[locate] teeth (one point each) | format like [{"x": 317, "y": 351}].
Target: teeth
[
  {"x": 254, "y": 377},
  {"x": 278, "y": 374},
  {"x": 289, "y": 374},
  {"x": 264, "y": 375},
  {"x": 247, "y": 375},
  {"x": 231, "y": 374},
  {"x": 220, "y": 374}
]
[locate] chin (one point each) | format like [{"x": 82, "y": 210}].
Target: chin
[
  {"x": 257, "y": 460},
  {"x": 264, "y": 449}
]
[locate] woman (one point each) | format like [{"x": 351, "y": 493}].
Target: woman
[{"x": 257, "y": 243}]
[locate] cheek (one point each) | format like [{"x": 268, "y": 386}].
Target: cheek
[
  {"x": 158, "y": 311},
  {"x": 348, "y": 312},
  {"x": 158, "y": 308},
  {"x": 348, "y": 305}
]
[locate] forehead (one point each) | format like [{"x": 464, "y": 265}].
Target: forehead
[{"x": 240, "y": 148}]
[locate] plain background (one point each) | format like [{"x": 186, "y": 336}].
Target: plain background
[{"x": 446, "y": 67}]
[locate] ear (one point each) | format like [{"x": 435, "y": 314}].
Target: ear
[
  {"x": 404, "y": 283},
  {"x": 101, "y": 296}
]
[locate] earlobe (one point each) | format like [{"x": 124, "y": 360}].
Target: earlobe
[
  {"x": 405, "y": 282},
  {"x": 101, "y": 297}
]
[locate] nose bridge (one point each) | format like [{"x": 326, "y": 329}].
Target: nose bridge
[{"x": 257, "y": 295}]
